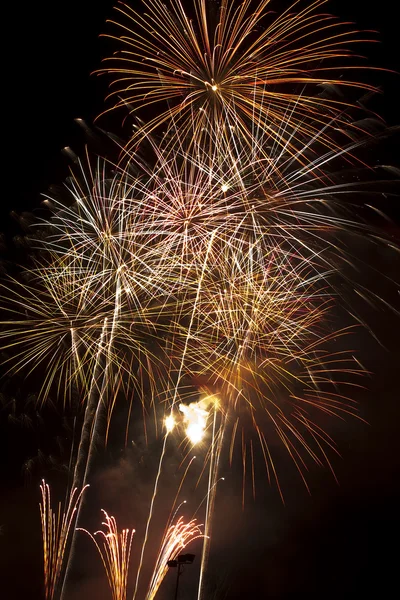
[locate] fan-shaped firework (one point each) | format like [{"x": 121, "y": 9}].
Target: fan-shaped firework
[
  {"x": 115, "y": 550},
  {"x": 177, "y": 536},
  {"x": 56, "y": 528}
]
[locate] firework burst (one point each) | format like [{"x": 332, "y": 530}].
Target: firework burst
[
  {"x": 214, "y": 261},
  {"x": 239, "y": 63},
  {"x": 56, "y": 529},
  {"x": 114, "y": 549}
]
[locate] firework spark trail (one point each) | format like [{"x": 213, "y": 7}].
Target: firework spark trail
[
  {"x": 88, "y": 435},
  {"x": 195, "y": 421},
  {"x": 56, "y": 527},
  {"x": 215, "y": 453},
  {"x": 115, "y": 554},
  {"x": 155, "y": 489},
  {"x": 175, "y": 539}
]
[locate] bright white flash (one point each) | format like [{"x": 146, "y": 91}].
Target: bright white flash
[
  {"x": 169, "y": 423},
  {"x": 195, "y": 419}
]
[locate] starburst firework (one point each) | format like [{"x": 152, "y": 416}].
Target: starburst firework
[{"x": 235, "y": 63}]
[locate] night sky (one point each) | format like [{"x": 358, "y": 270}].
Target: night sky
[{"x": 340, "y": 541}]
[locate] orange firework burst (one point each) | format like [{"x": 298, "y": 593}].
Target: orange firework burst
[
  {"x": 234, "y": 64},
  {"x": 260, "y": 287}
]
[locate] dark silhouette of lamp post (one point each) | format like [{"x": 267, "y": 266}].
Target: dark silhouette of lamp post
[{"x": 182, "y": 559}]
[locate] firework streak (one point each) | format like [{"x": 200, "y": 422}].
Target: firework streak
[
  {"x": 56, "y": 528},
  {"x": 114, "y": 550}
]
